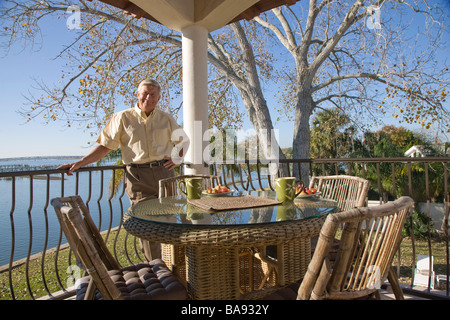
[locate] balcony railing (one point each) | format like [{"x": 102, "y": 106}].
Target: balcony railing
[{"x": 36, "y": 263}]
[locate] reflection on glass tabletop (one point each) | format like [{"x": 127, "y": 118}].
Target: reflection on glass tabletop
[{"x": 176, "y": 210}]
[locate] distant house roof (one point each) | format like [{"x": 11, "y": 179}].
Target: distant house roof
[{"x": 418, "y": 151}]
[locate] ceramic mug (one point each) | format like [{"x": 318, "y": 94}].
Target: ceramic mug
[
  {"x": 285, "y": 188},
  {"x": 193, "y": 187}
]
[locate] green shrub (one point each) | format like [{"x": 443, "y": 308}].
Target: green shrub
[{"x": 419, "y": 226}]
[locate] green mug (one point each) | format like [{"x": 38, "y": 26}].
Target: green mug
[
  {"x": 192, "y": 187},
  {"x": 285, "y": 188}
]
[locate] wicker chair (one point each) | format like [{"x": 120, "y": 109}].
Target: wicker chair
[
  {"x": 360, "y": 267},
  {"x": 169, "y": 187},
  {"x": 174, "y": 255},
  {"x": 349, "y": 192},
  {"x": 107, "y": 280}
]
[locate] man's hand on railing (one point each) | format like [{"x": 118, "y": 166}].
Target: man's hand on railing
[
  {"x": 70, "y": 167},
  {"x": 95, "y": 155}
]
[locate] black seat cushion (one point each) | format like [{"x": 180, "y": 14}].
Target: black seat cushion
[{"x": 144, "y": 281}]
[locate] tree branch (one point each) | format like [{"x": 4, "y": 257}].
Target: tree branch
[
  {"x": 280, "y": 36},
  {"x": 348, "y": 21}
]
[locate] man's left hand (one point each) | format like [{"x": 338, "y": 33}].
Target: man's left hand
[{"x": 169, "y": 165}]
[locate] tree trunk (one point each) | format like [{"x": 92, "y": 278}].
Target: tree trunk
[
  {"x": 260, "y": 118},
  {"x": 256, "y": 105},
  {"x": 301, "y": 142}
]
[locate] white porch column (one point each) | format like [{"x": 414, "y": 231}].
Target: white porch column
[{"x": 195, "y": 94}]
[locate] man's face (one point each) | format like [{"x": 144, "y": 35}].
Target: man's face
[{"x": 148, "y": 98}]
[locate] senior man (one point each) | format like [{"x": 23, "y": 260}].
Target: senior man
[{"x": 145, "y": 136}]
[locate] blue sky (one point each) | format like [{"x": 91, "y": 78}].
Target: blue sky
[{"x": 18, "y": 69}]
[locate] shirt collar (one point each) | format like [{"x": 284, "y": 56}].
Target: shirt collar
[{"x": 142, "y": 112}]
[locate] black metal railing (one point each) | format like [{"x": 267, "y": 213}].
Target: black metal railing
[{"x": 36, "y": 263}]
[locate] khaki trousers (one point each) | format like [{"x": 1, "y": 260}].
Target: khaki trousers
[{"x": 143, "y": 184}]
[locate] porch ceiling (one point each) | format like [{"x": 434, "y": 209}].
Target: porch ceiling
[{"x": 211, "y": 14}]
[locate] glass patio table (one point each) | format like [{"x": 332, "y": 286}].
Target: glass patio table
[{"x": 213, "y": 239}]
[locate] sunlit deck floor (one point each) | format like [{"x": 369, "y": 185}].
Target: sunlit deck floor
[
  {"x": 388, "y": 295},
  {"x": 421, "y": 293}
]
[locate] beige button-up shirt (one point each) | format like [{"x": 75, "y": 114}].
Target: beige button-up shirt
[{"x": 142, "y": 139}]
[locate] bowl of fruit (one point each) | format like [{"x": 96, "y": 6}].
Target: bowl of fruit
[
  {"x": 218, "y": 191},
  {"x": 307, "y": 192}
]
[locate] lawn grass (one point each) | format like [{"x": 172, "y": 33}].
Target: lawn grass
[
  {"x": 437, "y": 248},
  {"x": 56, "y": 269}
]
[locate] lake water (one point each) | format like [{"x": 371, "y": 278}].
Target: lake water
[{"x": 38, "y": 208}]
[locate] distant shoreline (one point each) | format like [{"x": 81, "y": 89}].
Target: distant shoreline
[{"x": 39, "y": 157}]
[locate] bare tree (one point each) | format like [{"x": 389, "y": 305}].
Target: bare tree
[
  {"x": 358, "y": 56},
  {"x": 108, "y": 57},
  {"x": 363, "y": 58}
]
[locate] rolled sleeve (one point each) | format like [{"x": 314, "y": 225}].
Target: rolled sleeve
[{"x": 109, "y": 137}]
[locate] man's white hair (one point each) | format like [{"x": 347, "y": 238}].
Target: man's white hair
[{"x": 149, "y": 82}]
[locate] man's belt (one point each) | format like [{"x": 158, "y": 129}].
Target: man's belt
[{"x": 148, "y": 164}]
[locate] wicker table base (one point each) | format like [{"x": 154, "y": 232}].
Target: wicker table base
[
  {"x": 293, "y": 259},
  {"x": 212, "y": 273},
  {"x": 212, "y": 253}
]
